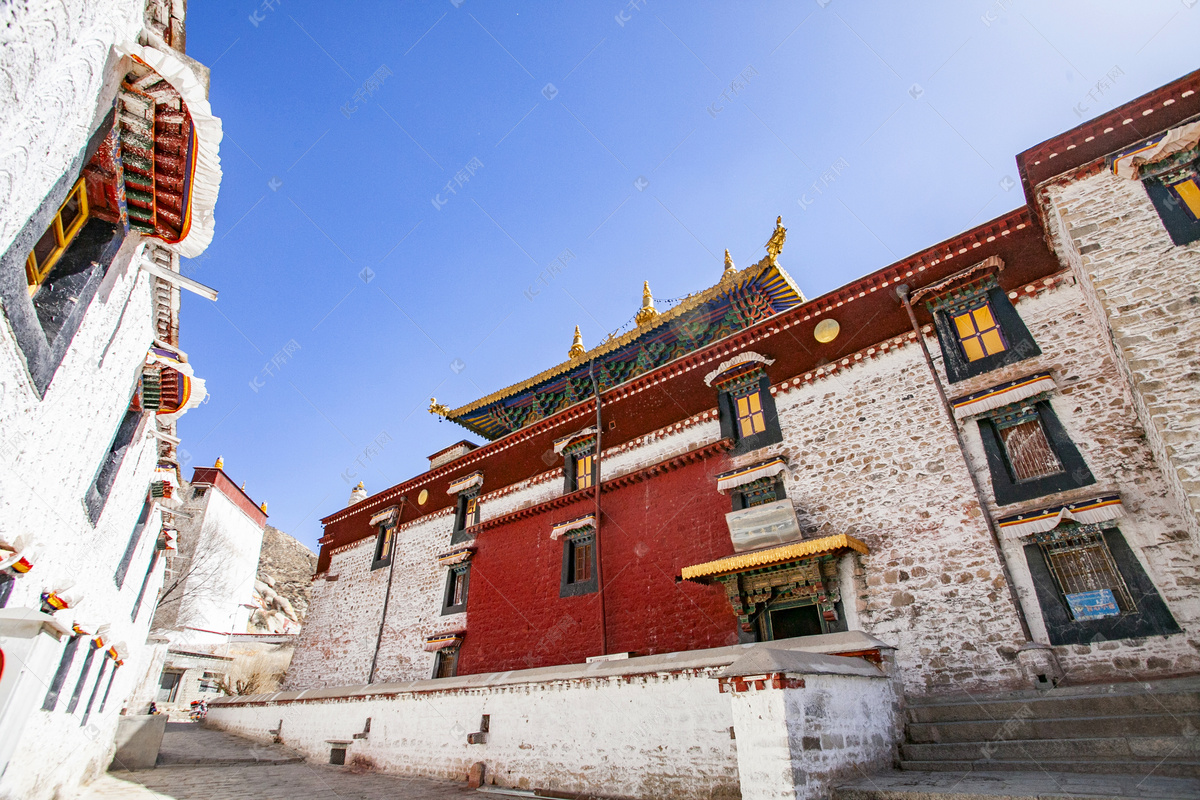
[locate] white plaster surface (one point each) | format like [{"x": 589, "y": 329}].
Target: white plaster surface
[{"x": 58, "y": 75}]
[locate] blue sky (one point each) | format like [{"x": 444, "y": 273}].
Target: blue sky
[{"x": 425, "y": 198}]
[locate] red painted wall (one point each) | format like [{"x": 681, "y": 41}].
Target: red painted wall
[{"x": 650, "y": 531}]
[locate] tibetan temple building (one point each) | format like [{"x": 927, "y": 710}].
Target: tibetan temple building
[
  {"x": 974, "y": 469},
  {"x": 985, "y": 497}
]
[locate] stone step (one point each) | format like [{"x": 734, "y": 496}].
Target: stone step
[
  {"x": 1091, "y": 727},
  {"x": 1040, "y": 785},
  {"x": 1154, "y": 748},
  {"x": 1149, "y": 767},
  {"x": 1050, "y": 705}
]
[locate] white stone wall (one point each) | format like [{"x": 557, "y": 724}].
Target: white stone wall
[
  {"x": 797, "y": 743},
  {"x": 58, "y": 77},
  {"x": 55, "y": 86},
  {"x": 657, "y": 735},
  {"x": 53, "y": 448},
  {"x": 219, "y": 590},
  {"x": 1095, "y": 407},
  {"x": 1143, "y": 288},
  {"x": 650, "y": 727}
]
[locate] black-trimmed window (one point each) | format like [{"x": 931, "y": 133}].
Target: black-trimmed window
[
  {"x": 979, "y": 330},
  {"x": 1029, "y": 453},
  {"x": 57, "y": 261},
  {"x": 747, "y": 412},
  {"x": 385, "y": 546},
  {"x": 579, "y": 563},
  {"x": 759, "y": 492},
  {"x": 445, "y": 663},
  {"x": 60, "y": 674},
  {"x": 454, "y": 598},
  {"x": 134, "y": 540},
  {"x": 1174, "y": 188},
  {"x": 466, "y": 514},
  {"x": 106, "y": 474},
  {"x": 1091, "y": 587},
  {"x": 580, "y": 470}
]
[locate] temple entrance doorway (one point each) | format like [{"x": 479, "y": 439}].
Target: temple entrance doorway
[{"x": 788, "y": 621}]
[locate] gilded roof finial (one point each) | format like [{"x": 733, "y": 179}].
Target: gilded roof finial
[
  {"x": 220, "y": 462},
  {"x": 775, "y": 243},
  {"x": 647, "y": 312},
  {"x": 577, "y": 348},
  {"x": 437, "y": 408},
  {"x": 263, "y": 507},
  {"x": 729, "y": 267}
]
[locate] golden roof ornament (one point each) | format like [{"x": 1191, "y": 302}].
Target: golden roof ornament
[
  {"x": 437, "y": 408},
  {"x": 220, "y": 462},
  {"x": 577, "y": 348},
  {"x": 730, "y": 269},
  {"x": 263, "y": 507},
  {"x": 775, "y": 243},
  {"x": 647, "y": 312}
]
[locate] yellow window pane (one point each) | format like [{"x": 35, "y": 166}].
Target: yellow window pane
[
  {"x": 964, "y": 324},
  {"x": 983, "y": 318},
  {"x": 747, "y": 426},
  {"x": 743, "y": 406},
  {"x": 758, "y": 423},
  {"x": 755, "y": 402},
  {"x": 992, "y": 342},
  {"x": 973, "y": 348},
  {"x": 1190, "y": 193}
]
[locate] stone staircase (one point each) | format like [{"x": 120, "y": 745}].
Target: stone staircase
[
  {"x": 1128, "y": 728},
  {"x": 1135, "y": 740}
]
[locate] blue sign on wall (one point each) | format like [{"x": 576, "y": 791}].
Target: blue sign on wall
[{"x": 1093, "y": 605}]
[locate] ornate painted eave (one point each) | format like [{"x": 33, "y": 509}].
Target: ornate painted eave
[
  {"x": 740, "y": 300},
  {"x": 773, "y": 556}
]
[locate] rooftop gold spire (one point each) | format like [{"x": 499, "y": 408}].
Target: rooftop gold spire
[
  {"x": 730, "y": 269},
  {"x": 437, "y": 408},
  {"x": 647, "y": 312},
  {"x": 775, "y": 243},
  {"x": 220, "y": 462},
  {"x": 577, "y": 348}
]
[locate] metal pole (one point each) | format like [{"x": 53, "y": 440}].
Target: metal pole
[
  {"x": 596, "y": 487},
  {"x": 902, "y": 293},
  {"x": 387, "y": 595}
]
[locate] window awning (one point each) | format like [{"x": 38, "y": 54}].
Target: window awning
[
  {"x": 741, "y": 358},
  {"x": 192, "y": 393},
  {"x": 560, "y": 444},
  {"x": 740, "y": 477},
  {"x": 572, "y": 525},
  {"x": 1011, "y": 392},
  {"x": 455, "y": 556},
  {"x": 441, "y": 641},
  {"x": 1097, "y": 509},
  {"x": 465, "y": 483},
  {"x": 168, "y": 356},
  {"x": 385, "y": 517},
  {"x": 774, "y": 555},
  {"x": 1128, "y": 164},
  {"x": 205, "y": 169}
]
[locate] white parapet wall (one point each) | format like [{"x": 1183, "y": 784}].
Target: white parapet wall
[{"x": 660, "y": 726}]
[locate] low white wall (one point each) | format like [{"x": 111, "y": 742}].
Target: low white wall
[{"x": 652, "y": 727}]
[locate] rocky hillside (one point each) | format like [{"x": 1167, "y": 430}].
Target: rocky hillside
[{"x": 285, "y": 569}]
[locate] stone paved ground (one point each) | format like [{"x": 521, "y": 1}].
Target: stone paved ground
[
  {"x": 268, "y": 782},
  {"x": 196, "y": 763},
  {"x": 1015, "y": 786}
]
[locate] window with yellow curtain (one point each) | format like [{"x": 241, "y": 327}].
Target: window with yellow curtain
[
  {"x": 978, "y": 332},
  {"x": 750, "y": 414}
]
